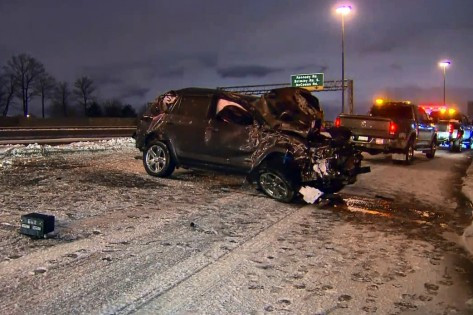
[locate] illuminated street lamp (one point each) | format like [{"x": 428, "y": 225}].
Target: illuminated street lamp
[
  {"x": 444, "y": 65},
  {"x": 343, "y": 10}
]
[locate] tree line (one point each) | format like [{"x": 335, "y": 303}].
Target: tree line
[{"x": 23, "y": 78}]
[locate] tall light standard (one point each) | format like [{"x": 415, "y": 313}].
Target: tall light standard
[
  {"x": 343, "y": 10},
  {"x": 444, "y": 65}
]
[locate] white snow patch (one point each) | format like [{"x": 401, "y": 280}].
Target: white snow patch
[
  {"x": 310, "y": 194},
  {"x": 9, "y": 152}
]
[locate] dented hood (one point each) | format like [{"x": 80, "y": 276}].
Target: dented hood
[{"x": 292, "y": 110}]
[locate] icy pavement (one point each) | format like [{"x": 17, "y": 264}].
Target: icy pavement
[{"x": 200, "y": 242}]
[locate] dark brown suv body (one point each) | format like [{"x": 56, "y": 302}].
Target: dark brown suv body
[{"x": 274, "y": 139}]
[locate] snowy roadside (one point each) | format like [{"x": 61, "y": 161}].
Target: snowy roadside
[
  {"x": 10, "y": 152},
  {"x": 467, "y": 190}
]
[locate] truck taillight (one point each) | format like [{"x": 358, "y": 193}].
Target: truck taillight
[
  {"x": 338, "y": 123},
  {"x": 450, "y": 128},
  {"x": 392, "y": 128}
]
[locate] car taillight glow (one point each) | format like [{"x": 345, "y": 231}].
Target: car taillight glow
[
  {"x": 338, "y": 123},
  {"x": 392, "y": 128}
]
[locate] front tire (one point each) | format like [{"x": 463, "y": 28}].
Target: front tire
[
  {"x": 456, "y": 146},
  {"x": 157, "y": 160},
  {"x": 276, "y": 184}
]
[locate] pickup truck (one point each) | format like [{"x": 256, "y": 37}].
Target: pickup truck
[
  {"x": 392, "y": 127},
  {"x": 453, "y": 129}
]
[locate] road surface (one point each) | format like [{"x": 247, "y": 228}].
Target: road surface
[{"x": 209, "y": 243}]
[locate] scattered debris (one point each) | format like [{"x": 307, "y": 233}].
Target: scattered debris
[
  {"x": 269, "y": 308},
  {"x": 40, "y": 270},
  {"x": 37, "y": 224},
  {"x": 310, "y": 194}
]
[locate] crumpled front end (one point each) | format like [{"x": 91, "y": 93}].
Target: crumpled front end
[{"x": 333, "y": 164}]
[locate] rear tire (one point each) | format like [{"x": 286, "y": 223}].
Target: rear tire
[
  {"x": 433, "y": 148},
  {"x": 157, "y": 160},
  {"x": 456, "y": 146},
  {"x": 409, "y": 153}
]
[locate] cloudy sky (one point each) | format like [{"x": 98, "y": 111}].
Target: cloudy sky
[{"x": 137, "y": 49}]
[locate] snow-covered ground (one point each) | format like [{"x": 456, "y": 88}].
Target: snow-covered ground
[
  {"x": 467, "y": 189},
  {"x": 468, "y": 183},
  {"x": 201, "y": 242}
]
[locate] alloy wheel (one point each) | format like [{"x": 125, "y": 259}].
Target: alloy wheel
[
  {"x": 156, "y": 158},
  {"x": 274, "y": 186}
]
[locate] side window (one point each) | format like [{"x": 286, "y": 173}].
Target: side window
[
  {"x": 231, "y": 112},
  {"x": 422, "y": 115},
  {"x": 194, "y": 106}
]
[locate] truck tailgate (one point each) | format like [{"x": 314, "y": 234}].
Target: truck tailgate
[
  {"x": 442, "y": 126},
  {"x": 361, "y": 125}
]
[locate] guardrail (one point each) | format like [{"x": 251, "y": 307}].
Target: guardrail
[{"x": 30, "y": 130}]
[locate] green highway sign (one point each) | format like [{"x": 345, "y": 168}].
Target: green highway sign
[{"x": 311, "y": 81}]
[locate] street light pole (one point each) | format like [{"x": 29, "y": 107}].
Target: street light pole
[
  {"x": 444, "y": 75},
  {"x": 444, "y": 65},
  {"x": 343, "y": 10},
  {"x": 343, "y": 63}
]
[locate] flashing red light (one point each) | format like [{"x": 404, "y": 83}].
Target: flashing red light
[
  {"x": 392, "y": 128},
  {"x": 450, "y": 128},
  {"x": 338, "y": 122}
]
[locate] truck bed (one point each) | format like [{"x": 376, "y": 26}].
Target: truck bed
[{"x": 364, "y": 125}]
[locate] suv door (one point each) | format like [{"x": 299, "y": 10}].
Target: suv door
[
  {"x": 425, "y": 130},
  {"x": 186, "y": 127},
  {"x": 230, "y": 135}
]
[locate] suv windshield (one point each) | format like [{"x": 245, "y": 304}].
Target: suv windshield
[{"x": 395, "y": 111}]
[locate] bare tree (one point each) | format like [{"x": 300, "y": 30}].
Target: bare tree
[
  {"x": 8, "y": 89},
  {"x": 61, "y": 96},
  {"x": 83, "y": 90},
  {"x": 45, "y": 88},
  {"x": 112, "y": 108},
  {"x": 128, "y": 111},
  {"x": 26, "y": 70}
]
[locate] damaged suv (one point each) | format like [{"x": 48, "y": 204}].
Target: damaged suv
[{"x": 275, "y": 139}]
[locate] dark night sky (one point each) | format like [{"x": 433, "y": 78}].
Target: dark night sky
[{"x": 135, "y": 50}]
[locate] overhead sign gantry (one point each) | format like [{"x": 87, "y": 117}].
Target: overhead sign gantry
[{"x": 265, "y": 88}]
